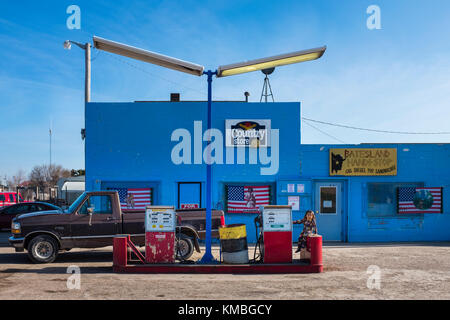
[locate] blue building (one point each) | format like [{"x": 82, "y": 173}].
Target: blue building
[{"x": 354, "y": 189}]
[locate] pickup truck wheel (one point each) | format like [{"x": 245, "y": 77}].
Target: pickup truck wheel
[
  {"x": 42, "y": 249},
  {"x": 184, "y": 247}
]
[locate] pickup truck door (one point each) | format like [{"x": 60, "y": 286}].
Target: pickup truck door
[{"x": 97, "y": 229}]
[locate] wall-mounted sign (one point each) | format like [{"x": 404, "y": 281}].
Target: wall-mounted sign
[
  {"x": 327, "y": 204},
  {"x": 189, "y": 206},
  {"x": 300, "y": 188},
  {"x": 363, "y": 162},
  {"x": 247, "y": 133},
  {"x": 294, "y": 202},
  {"x": 291, "y": 187}
]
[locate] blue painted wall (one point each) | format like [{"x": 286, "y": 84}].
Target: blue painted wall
[
  {"x": 129, "y": 145},
  {"x": 417, "y": 163}
]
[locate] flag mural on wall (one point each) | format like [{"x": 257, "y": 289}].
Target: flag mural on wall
[
  {"x": 419, "y": 200},
  {"x": 132, "y": 199},
  {"x": 247, "y": 199}
]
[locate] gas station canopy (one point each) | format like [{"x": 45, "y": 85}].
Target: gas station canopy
[
  {"x": 147, "y": 56},
  {"x": 270, "y": 62}
]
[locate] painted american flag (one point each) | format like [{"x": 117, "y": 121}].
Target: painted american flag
[
  {"x": 134, "y": 198},
  {"x": 247, "y": 199},
  {"x": 406, "y": 200}
]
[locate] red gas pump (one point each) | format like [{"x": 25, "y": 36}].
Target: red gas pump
[
  {"x": 160, "y": 223},
  {"x": 277, "y": 234}
]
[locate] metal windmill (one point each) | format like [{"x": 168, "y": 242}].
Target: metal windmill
[{"x": 267, "y": 89}]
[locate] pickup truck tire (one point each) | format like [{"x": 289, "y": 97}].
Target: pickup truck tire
[
  {"x": 42, "y": 249},
  {"x": 184, "y": 247}
]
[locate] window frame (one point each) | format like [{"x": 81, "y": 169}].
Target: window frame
[
  {"x": 89, "y": 203},
  {"x": 335, "y": 201},
  {"x": 396, "y": 184}
]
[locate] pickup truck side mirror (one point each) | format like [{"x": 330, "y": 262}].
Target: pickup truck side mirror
[{"x": 90, "y": 211}]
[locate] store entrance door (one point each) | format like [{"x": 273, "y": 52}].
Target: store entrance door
[
  {"x": 329, "y": 210},
  {"x": 189, "y": 195}
]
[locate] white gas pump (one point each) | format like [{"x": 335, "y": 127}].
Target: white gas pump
[{"x": 277, "y": 234}]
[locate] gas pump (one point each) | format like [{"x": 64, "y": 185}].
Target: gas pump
[
  {"x": 276, "y": 234},
  {"x": 160, "y": 224}
]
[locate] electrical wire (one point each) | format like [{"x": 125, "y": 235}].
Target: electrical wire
[
  {"x": 96, "y": 56},
  {"x": 157, "y": 76},
  {"x": 329, "y": 135},
  {"x": 303, "y": 118},
  {"x": 372, "y": 130}
]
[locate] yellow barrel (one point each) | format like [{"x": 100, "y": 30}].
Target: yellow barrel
[
  {"x": 232, "y": 231},
  {"x": 233, "y": 242}
]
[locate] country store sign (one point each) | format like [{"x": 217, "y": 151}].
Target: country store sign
[
  {"x": 247, "y": 133},
  {"x": 363, "y": 162}
]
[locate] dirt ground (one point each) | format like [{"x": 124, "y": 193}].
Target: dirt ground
[{"x": 407, "y": 271}]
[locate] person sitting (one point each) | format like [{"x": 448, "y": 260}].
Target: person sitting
[{"x": 309, "y": 228}]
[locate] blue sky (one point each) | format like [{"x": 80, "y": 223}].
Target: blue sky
[{"x": 396, "y": 78}]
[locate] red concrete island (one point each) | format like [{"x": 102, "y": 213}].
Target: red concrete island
[{"x": 123, "y": 263}]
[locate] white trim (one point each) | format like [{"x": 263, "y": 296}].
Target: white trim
[{"x": 335, "y": 201}]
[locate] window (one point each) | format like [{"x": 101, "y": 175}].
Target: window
[
  {"x": 101, "y": 205},
  {"x": 382, "y": 197},
  {"x": 328, "y": 200},
  {"x": 189, "y": 195},
  {"x": 134, "y": 199},
  {"x": 11, "y": 197},
  {"x": 42, "y": 207},
  {"x": 2, "y": 197},
  {"x": 18, "y": 209},
  {"x": 32, "y": 208}
]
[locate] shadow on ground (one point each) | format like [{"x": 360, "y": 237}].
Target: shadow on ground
[
  {"x": 336, "y": 244},
  {"x": 60, "y": 265},
  {"x": 65, "y": 257},
  {"x": 58, "y": 270}
]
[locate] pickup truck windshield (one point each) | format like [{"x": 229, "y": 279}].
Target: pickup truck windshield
[{"x": 75, "y": 204}]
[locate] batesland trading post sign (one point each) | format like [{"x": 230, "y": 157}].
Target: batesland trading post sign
[{"x": 363, "y": 162}]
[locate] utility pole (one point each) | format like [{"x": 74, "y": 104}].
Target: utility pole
[
  {"x": 87, "y": 63},
  {"x": 87, "y": 76},
  {"x": 50, "y": 135}
]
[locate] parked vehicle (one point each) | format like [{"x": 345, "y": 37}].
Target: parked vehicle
[
  {"x": 92, "y": 221},
  {"x": 10, "y": 212},
  {"x": 9, "y": 198}
]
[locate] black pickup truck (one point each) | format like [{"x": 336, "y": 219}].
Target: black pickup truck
[{"x": 92, "y": 221}]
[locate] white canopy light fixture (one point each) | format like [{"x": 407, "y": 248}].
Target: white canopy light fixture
[
  {"x": 147, "y": 56},
  {"x": 270, "y": 62}
]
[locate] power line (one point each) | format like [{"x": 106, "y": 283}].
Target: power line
[
  {"x": 149, "y": 73},
  {"x": 138, "y": 68},
  {"x": 154, "y": 75},
  {"x": 372, "y": 130},
  {"x": 329, "y": 135}
]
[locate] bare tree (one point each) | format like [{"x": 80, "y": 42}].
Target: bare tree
[
  {"x": 17, "y": 179},
  {"x": 47, "y": 176},
  {"x": 38, "y": 176},
  {"x": 55, "y": 172}
]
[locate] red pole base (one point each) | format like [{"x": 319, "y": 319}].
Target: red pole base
[
  {"x": 316, "y": 250},
  {"x": 120, "y": 251}
]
